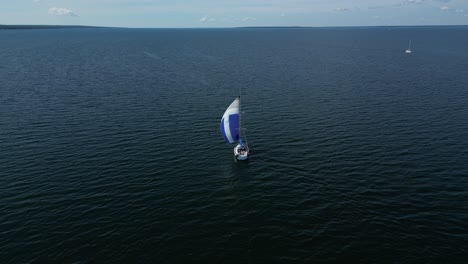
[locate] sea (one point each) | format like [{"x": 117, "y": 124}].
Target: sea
[{"x": 111, "y": 152}]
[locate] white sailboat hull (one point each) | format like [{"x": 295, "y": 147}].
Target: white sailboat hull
[{"x": 241, "y": 153}]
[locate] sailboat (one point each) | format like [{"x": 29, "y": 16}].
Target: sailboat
[
  {"x": 231, "y": 129},
  {"x": 409, "y": 48}
]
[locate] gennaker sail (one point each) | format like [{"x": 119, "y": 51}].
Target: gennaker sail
[
  {"x": 230, "y": 125},
  {"x": 231, "y": 129}
]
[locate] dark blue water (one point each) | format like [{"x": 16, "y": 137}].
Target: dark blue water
[{"x": 110, "y": 150}]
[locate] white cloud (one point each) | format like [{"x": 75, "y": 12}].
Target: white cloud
[
  {"x": 414, "y": 1},
  {"x": 248, "y": 18},
  {"x": 283, "y": 14},
  {"x": 444, "y": 8},
  {"x": 341, "y": 9},
  {"x": 58, "y": 11},
  {"x": 409, "y": 2},
  {"x": 207, "y": 19},
  {"x": 459, "y": 10}
]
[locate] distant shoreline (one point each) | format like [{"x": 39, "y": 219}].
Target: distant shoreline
[
  {"x": 7, "y": 27},
  {"x": 18, "y": 27}
]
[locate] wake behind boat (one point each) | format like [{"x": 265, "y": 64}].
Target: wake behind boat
[{"x": 231, "y": 129}]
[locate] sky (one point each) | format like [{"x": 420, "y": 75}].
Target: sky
[{"x": 233, "y": 13}]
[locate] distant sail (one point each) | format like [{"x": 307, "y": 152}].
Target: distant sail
[
  {"x": 230, "y": 122},
  {"x": 409, "y": 48}
]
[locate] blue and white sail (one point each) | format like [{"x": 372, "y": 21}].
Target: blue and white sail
[{"x": 230, "y": 122}]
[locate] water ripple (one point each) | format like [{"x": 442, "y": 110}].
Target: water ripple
[{"x": 111, "y": 152}]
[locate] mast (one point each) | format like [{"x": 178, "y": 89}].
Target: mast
[
  {"x": 409, "y": 45},
  {"x": 240, "y": 126},
  {"x": 240, "y": 114}
]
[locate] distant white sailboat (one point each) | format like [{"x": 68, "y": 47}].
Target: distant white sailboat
[
  {"x": 231, "y": 129},
  {"x": 409, "y": 48}
]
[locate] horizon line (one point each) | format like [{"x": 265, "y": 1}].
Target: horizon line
[{"x": 45, "y": 26}]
